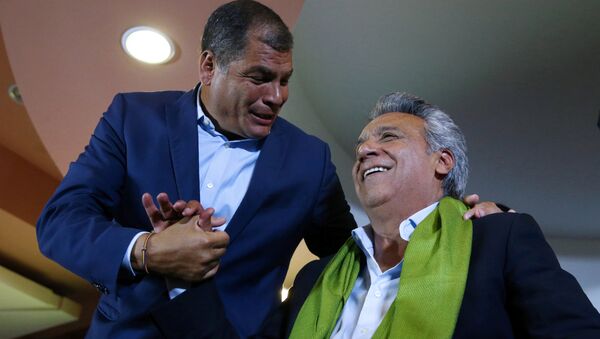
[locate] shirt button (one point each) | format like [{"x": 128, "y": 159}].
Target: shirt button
[
  {"x": 226, "y": 145},
  {"x": 205, "y": 122},
  {"x": 210, "y": 185},
  {"x": 377, "y": 294},
  {"x": 363, "y": 331}
]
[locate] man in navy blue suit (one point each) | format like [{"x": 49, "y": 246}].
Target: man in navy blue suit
[{"x": 265, "y": 185}]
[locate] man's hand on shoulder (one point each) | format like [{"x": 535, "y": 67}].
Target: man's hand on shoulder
[
  {"x": 183, "y": 244},
  {"x": 480, "y": 209}
]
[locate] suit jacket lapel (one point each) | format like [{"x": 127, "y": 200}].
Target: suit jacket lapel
[
  {"x": 183, "y": 144},
  {"x": 268, "y": 166}
]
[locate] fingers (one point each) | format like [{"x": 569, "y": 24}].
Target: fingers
[
  {"x": 179, "y": 209},
  {"x": 209, "y": 257},
  {"x": 206, "y": 221},
  {"x": 481, "y": 210},
  {"x": 184, "y": 250},
  {"x": 153, "y": 213},
  {"x": 193, "y": 207},
  {"x": 179, "y": 206},
  {"x": 165, "y": 206},
  {"x": 469, "y": 214},
  {"x": 471, "y": 199},
  {"x": 220, "y": 241},
  {"x": 217, "y": 221},
  {"x": 211, "y": 273}
]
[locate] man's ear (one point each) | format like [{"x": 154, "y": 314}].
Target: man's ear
[
  {"x": 445, "y": 163},
  {"x": 206, "y": 67}
]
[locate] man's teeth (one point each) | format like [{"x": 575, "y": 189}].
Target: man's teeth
[{"x": 373, "y": 170}]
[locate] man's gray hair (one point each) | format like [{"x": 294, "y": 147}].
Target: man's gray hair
[{"x": 441, "y": 133}]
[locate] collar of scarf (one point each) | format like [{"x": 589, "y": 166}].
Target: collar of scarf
[{"x": 432, "y": 282}]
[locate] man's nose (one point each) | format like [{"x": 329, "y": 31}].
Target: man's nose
[
  {"x": 276, "y": 95},
  {"x": 366, "y": 149}
]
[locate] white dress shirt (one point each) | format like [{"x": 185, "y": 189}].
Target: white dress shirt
[{"x": 374, "y": 291}]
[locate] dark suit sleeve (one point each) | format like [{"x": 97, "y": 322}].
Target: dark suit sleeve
[
  {"x": 76, "y": 227},
  {"x": 544, "y": 300},
  {"x": 331, "y": 217}
]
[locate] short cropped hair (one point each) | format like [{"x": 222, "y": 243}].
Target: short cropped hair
[
  {"x": 230, "y": 26},
  {"x": 441, "y": 133}
]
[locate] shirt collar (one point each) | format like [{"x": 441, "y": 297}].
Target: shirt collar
[
  {"x": 203, "y": 120},
  {"x": 407, "y": 226},
  {"x": 363, "y": 236}
]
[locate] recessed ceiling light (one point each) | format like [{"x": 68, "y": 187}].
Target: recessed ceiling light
[{"x": 148, "y": 45}]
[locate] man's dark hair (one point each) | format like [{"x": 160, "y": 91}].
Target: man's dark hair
[{"x": 229, "y": 27}]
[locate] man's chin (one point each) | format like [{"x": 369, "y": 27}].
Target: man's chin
[
  {"x": 370, "y": 200},
  {"x": 259, "y": 132}
]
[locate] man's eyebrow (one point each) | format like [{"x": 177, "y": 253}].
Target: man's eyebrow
[
  {"x": 258, "y": 69},
  {"x": 361, "y": 139},
  {"x": 382, "y": 129},
  {"x": 378, "y": 131},
  {"x": 265, "y": 71}
]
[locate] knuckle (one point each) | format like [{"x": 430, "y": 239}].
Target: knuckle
[{"x": 202, "y": 241}]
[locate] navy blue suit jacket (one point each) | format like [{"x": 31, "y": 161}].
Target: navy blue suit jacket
[
  {"x": 515, "y": 289},
  {"x": 148, "y": 142}
]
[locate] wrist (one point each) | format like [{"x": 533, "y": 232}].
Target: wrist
[{"x": 138, "y": 255}]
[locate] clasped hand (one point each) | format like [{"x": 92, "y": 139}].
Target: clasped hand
[{"x": 185, "y": 245}]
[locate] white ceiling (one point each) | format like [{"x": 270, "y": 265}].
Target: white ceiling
[{"x": 521, "y": 78}]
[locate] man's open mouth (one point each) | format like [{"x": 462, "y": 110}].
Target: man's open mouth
[{"x": 374, "y": 170}]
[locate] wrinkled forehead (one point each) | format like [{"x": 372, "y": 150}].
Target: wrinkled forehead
[{"x": 393, "y": 121}]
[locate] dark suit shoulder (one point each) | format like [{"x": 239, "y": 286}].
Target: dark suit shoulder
[
  {"x": 542, "y": 300},
  {"x": 506, "y": 225},
  {"x": 505, "y": 220},
  {"x": 149, "y": 97},
  {"x": 143, "y": 108}
]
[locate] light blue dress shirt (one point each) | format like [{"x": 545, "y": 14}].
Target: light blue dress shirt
[
  {"x": 374, "y": 291},
  {"x": 225, "y": 170}
]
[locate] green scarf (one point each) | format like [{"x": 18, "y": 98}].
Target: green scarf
[{"x": 432, "y": 282}]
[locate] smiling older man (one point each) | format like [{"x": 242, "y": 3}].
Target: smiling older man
[{"x": 419, "y": 270}]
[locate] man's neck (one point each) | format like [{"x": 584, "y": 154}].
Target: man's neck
[
  {"x": 229, "y": 135},
  {"x": 389, "y": 247},
  {"x": 388, "y": 251}
]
